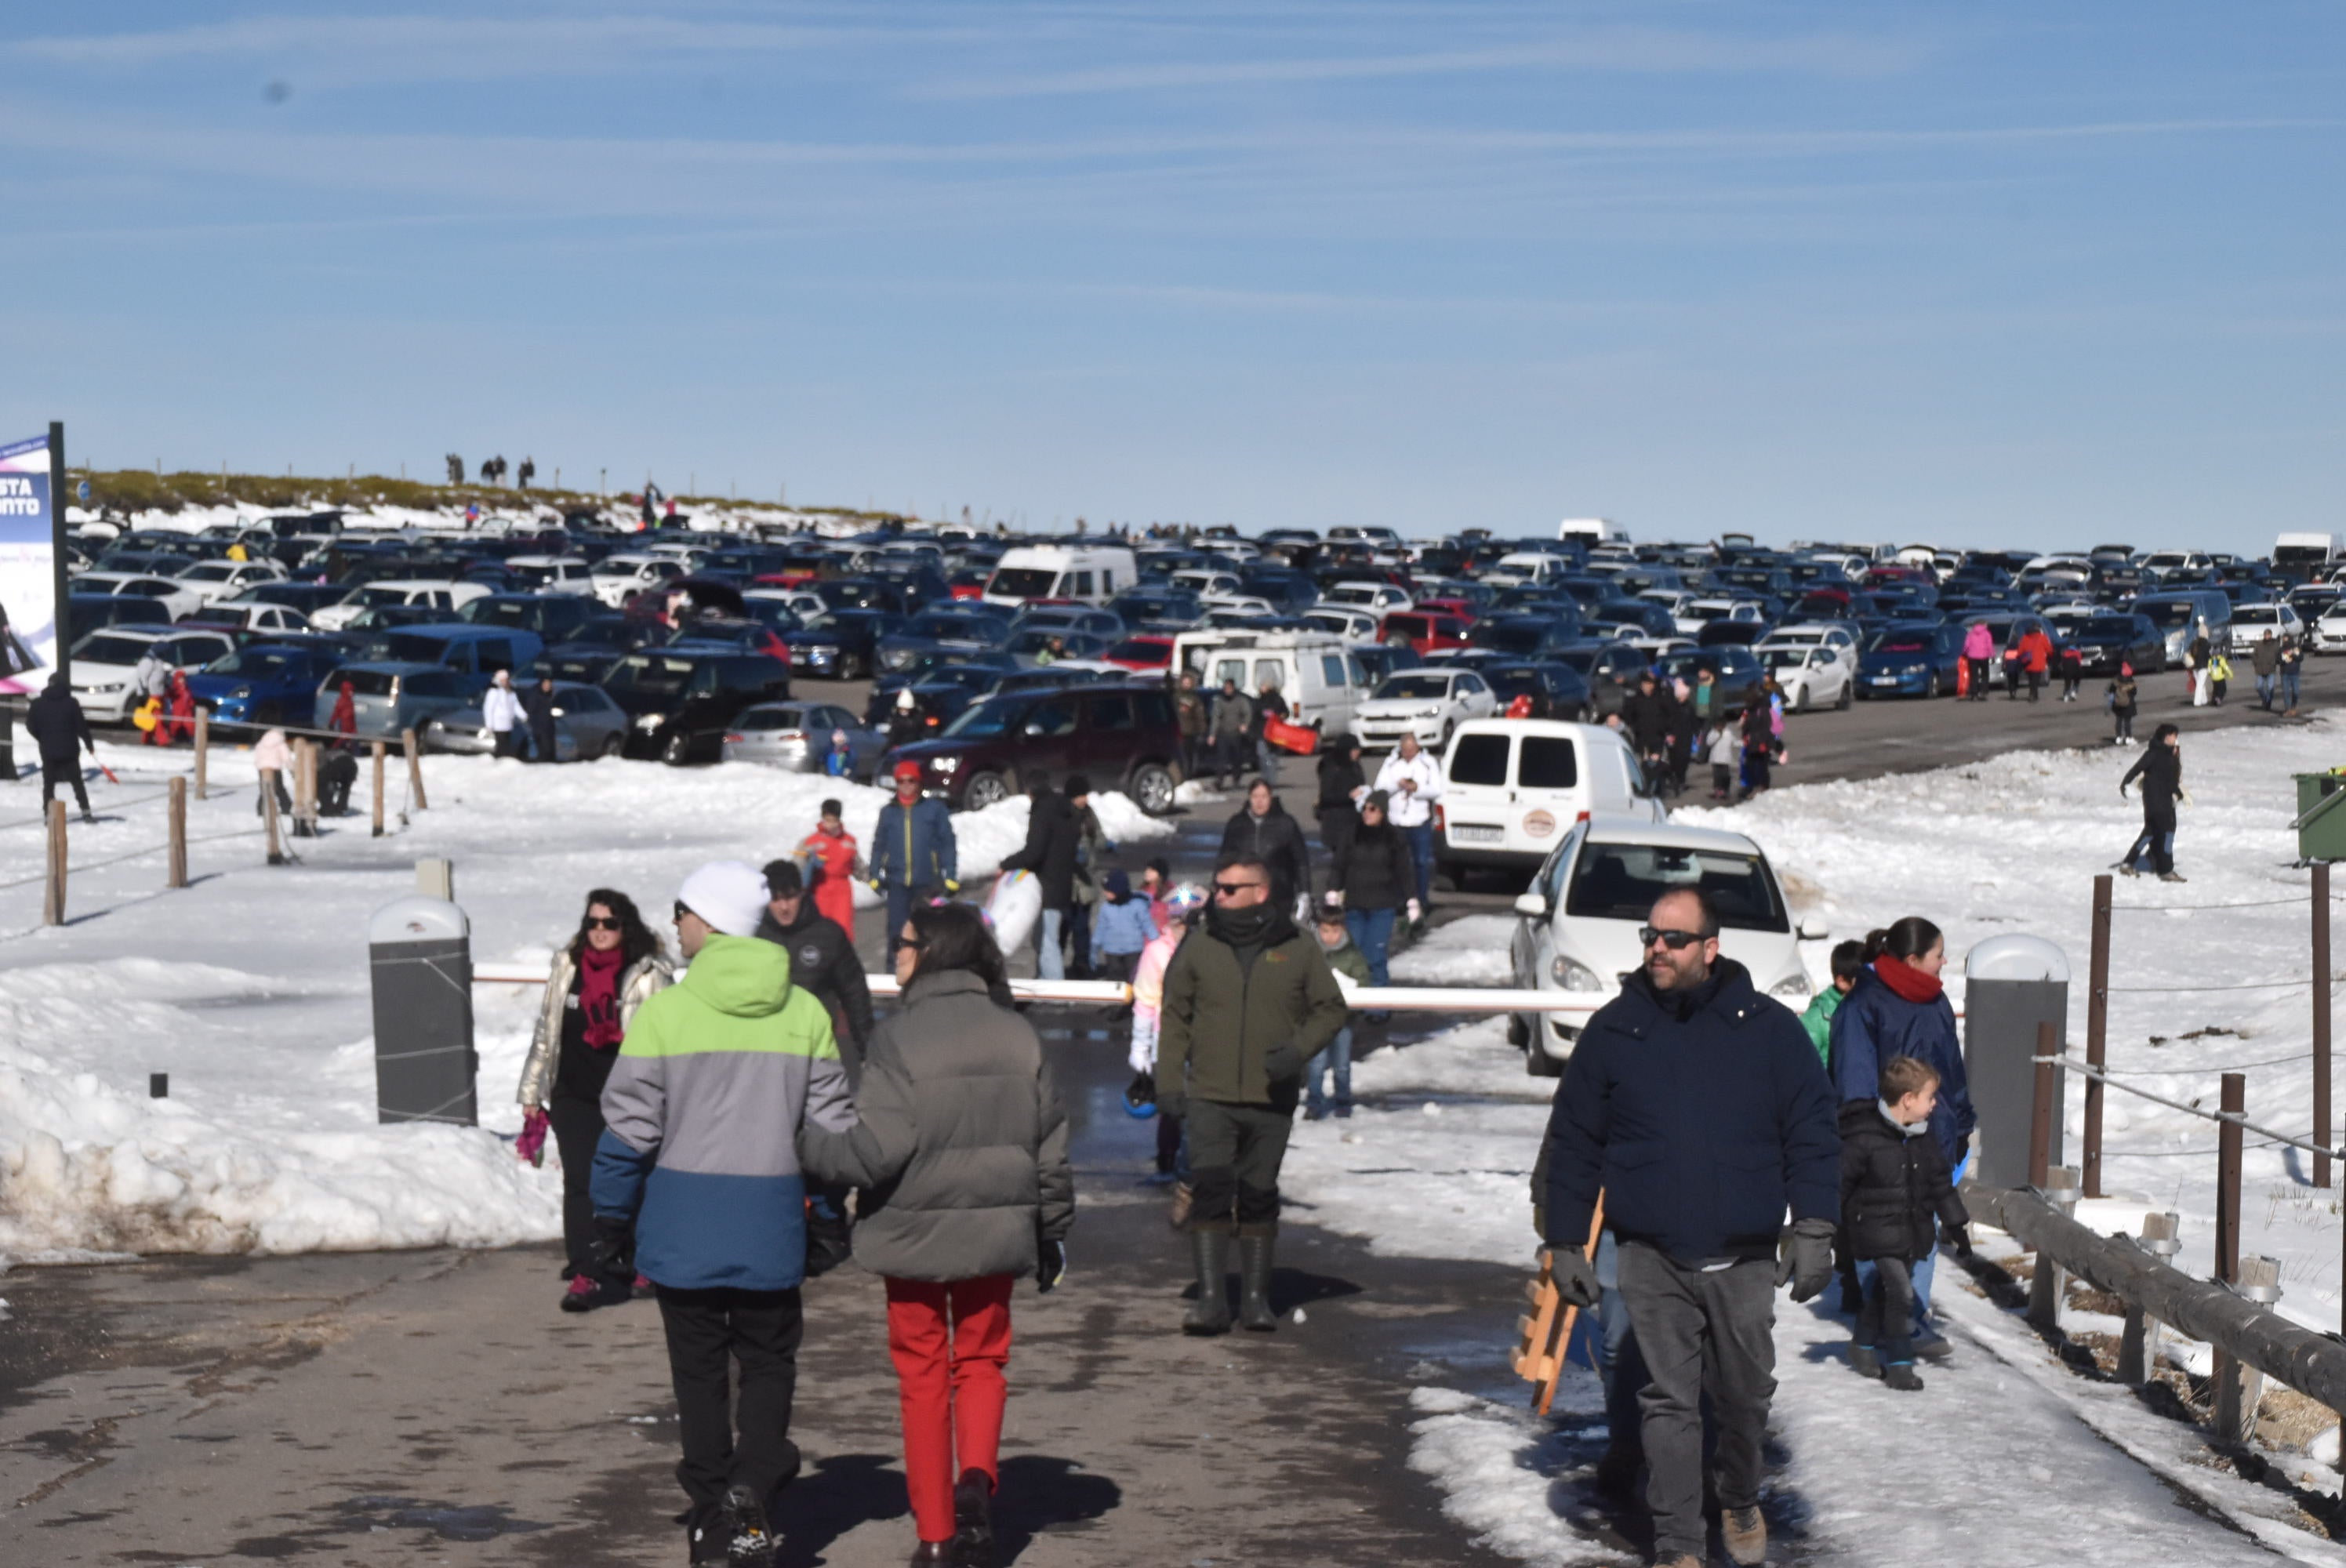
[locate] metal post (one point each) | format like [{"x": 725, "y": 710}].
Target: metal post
[
  {"x": 53, "y": 898},
  {"x": 269, "y": 814},
  {"x": 2322, "y": 1126},
  {"x": 2098, "y": 1020},
  {"x": 414, "y": 770},
  {"x": 176, "y": 876},
  {"x": 2040, "y": 1120},
  {"x": 379, "y": 750},
  {"x": 203, "y": 748}
]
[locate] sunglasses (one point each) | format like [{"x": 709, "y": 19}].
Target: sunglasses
[
  {"x": 606, "y": 923},
  {"x": 1228, "y": 889},
  {"x": 681, "y": 912},
  {"x": 1676, "y": 940}
]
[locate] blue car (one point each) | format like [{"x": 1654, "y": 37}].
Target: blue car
[
  {"x": 263, "y": 685},
  {"x": 944, "y": 631},
  {"x": 1912, "y": 658}
]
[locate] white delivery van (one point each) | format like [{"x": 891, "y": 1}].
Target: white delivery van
[
  {"x": 1512, "y": 787},
  {"x": 1077, "y": 573},
  {"x": 2312, "y": 554},
  {"x": 1321, "y": 678},
  {"x": 1591, "y": 531}
]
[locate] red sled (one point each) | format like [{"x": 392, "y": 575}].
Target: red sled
[{"x": 1300, "y": 738}]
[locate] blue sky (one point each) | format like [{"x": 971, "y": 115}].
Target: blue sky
[{"x": 1983, "y": 274}]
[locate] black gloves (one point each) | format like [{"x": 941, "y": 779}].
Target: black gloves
[
  {"x": 1283, "y": 1063},
  {"x": 1050, "y": 1262},
  {"x": 1575, "y": 1277},
  {"x": 1958, "y": 1241},
  {"x": 1807, "y": 1260},
  {"x": 1141, "y": 1091},
  {"x": 614, "y": 1252}
]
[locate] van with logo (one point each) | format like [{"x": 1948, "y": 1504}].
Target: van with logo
[
  {"x": 1512, "y": 787},
  {"x": 1074, "y": 574},
  {"x": 1321, "y": 676}
]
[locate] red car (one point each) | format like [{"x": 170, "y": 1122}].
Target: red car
[
  {"x": 1142, "y": 655},
  {"x": 1459, "y": 608},
  {"x": 1426, "y": 632},
  {"x": 968, "y": 584}
]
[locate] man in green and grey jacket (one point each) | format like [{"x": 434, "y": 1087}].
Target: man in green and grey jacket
[{"x": 1249, "y": 1000}]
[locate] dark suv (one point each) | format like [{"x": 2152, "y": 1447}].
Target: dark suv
[
  {"x": 1121, "y": 737},
  {"x": 680, "y": 704}
]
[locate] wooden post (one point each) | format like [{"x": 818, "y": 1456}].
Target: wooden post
[
  {"x": 2042, "y": 1110},
  {"x": 2240, "y": 1386},
  {"x": 379, "y": 750},
  {"x": 2138, "y": 1345},
  {"x": 2233, "y": 1104},
  {"x": 305, "y": 788},
  {"x": 2322, "y": 1131},
  {"x": 53, "y": 898},
  {"x": 203, "y": 749},
  {"x": 175, "y": 813},
  {"x": 2097, "y": 1021},
  {"x": 2048, "y": 1283},
  {"x": 414, "y": 770},
  {"x": 269, "y": 814}
]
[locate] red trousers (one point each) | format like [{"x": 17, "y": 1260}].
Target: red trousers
[{"x": 950, "y": 1341}]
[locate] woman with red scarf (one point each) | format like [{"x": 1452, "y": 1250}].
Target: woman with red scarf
[
  {"x": 1898, "y": 1008},
  {"x": 611, "y": 966}
]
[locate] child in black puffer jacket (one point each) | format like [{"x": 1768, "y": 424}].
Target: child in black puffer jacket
[{"x": 1894, "y": 1182}]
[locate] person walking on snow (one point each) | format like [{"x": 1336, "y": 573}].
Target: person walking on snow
[
  {"x": 1372, "y": 884},
  {"x": 912, "y": 848},
  {"x": 1979, "y": 649},
  {"x": 1050, "y": 853},
  {"x": 822, "y": 964},
  {"x": 1896, "y": 1190},
  {"x": 1412, "y": 781},
  {"x": 1247, "y": 1003},
  {"x": 1268, "y": 833},
  {"x": 61, "y": 731},
  {"x": 1898, "y": 1008},
  {"x": 538, "y": 706},
  {"x": 2194, "y": 663},
  {"x": 1696, "y": 1105},
  {"x": 2161, "y": 769},
  {"x": 2292, "y": 663},
  {"x": 2122, "y": 697},
  {"x": 2265, "y": 659},
  {"x": 1344, "y": 957},
  {"x": 600, "y": 980},
  {"x": 501, "y": 715},
  {"x": 698, "y": 1178},
  {"x": 1342, "y": 785},
  {"x": 961, "y": 1145},
  {"x": 2037, "y": 648},
  {"x": 2070, "y": 661},
  {"x": 832, "y": 862},
  {"x": 1183, "y": 906}
]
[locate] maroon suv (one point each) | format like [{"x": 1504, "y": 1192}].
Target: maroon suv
[{"x": 1121, "y": 736}]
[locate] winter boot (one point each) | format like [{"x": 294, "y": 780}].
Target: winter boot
[
  {"x": 1210, "y": 1313},
  {"x": 1933, "y": 1347},
  {"x": 1864, "y": 1361},
  {"x": 2172, "y": 877},
  {"x": 973, "y": 1541},
  {"x": 1616, "y": 1474},
  {"x": 748, "y": 1543},
  {"x": 1900, "y": 1375},
  {"x": 1254, "y": 1283},
  {"x": 1746, "y": 1534}
]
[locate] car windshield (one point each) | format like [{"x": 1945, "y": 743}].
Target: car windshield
[
  {"x": 259, "y": 666},
  {"x": 651, "y": 674},
  {"x": 950, "y": 626},
  {"x": 364, "y": 682},
  {"x": 1621, "y": 881},
  {"x": 1786, "y": 658},
  {"x": 1685, "y": 667},
  {"x": 1519, "y": 636},
  {"x": 1022, "y": 583},
  {"x": 2167, "y": 614},
  {"x": 1414, "y": 685},
  {"x": 1897, "y": 642},
  {"x": 112, "y": 650},
  {"x": 1582, "y": 659},
  {"x": 2104, "y": 626},
  {"x": 381, "y": 595},
  {"x": 982, "y": 722}
]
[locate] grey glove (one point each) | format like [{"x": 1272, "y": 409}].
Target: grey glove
[
  {"x": 1575, "y": 1278},
  {"x": 1806, "y": 1259}
]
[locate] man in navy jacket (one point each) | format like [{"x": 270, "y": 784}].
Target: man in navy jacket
[{"x": 1698, "y": 1108}]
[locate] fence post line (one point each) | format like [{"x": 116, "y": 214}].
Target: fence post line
[
  {"x": 2232, "y": 1106},
  {"x": 2321, "y": 1132},
  {"x": 175, "y": 873},
  {"x": 414, "y": 770},
  {"x": 2040, "y": 1120},
  {"x": 203, "y": 750},
  {"x": 269, "y": 814},
  {"x": 2098, "y": 1022},
  {"x": 305, "y": 788},
  {"x": 378, "y": 749},
  {"x": 53, "y": 896}
]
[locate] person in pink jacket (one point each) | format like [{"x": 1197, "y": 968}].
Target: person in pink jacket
[
  {"x": 1180, "y": 906},
  {"x": 1979, "y": 647}
]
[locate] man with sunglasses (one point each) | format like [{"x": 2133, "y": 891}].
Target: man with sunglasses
[
  {"x": 1248, "y": 1001},
  {"x": 1698, "y": 1110}
]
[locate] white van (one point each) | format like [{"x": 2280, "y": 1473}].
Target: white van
[
  {"x": 2312, "y": 554},
  {"x": 1591, "y": 531},
  {"x": 554, "y": 574},
  {"x": 1321, "y": 678},
  {"x": 1079, "y": 574},
  {"x": 1512, "y": 787},
  {"x": 1527, "y": 568}
]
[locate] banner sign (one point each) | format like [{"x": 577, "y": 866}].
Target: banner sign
[{"x": 29, "y": 611}]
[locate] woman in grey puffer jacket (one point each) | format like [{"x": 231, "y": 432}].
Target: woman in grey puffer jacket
[{"x": 961, "y": 1151}]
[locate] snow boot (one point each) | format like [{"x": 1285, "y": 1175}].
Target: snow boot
[
  {"x": 2172, "y": 877},
  {"x": 748, "y": 1543},
  {"x": 1210, "y": 1313},
  {"x": 1254, "y": 1284},
  {"x": 1864, "y": 1361},
  {"x": 1746, "y": 1534},
  {"x": 973, "y": 1541},
  {"x": 1933, "y": 1347},
  {"x": 1901, "y": 1375},
  {"x": 929, "y": 1551}
]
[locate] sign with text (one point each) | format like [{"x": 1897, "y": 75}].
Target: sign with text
[{"x": 29, "y": 611}]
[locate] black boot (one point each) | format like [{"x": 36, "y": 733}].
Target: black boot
[
  {"x": 748, "y": 1543},
  {"x": 973, "y": 1541},
  {"x": 1210, "y": 1313},
  {"x": 1254, "y": 1283}
]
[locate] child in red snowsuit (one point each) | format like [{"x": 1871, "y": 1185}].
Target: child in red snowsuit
[{"x": 830, "y": 857}]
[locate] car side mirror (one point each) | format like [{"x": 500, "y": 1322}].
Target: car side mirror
[
  {"x": 1033, "y": 732},
  {"x": 1813, "y": 930},
  {"x": 1532, "y": 905}
]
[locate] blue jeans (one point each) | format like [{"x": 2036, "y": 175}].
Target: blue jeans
[
  {"x": 2264, "y": 691},
  {"x": 1050, "y": 963},
  {"x": 1421, "y": 850},
  {"x": 2288, "y": 673},
  {"x": 2155, "y": 852},
  {"x": 1335, "y": 1056},
  {"x": 1372, "y": 934}
]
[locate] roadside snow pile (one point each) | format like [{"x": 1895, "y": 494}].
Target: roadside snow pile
[
  {"x": 1473, "y": 950},
  {"x": 1498, "y": 1470}
]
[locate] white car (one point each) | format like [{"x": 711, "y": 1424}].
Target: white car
[
  {"x": 554, "y": 574},
  {"x": 2330, "y": 631},
  {"x": 1815, "y": 666},
  {"x": 216, "y": 580},
  {"x": 1352, "y": 625},
  {"x": 255, "y": 615},
  {"x": 179, "y": 600},
  {"x": 1579, "y": 924},
  {"x": 617, "y": 576},
  {"x": 803, "y": 603},
  {"x": 104, "y": 662},
  {"x": 432, "y": 593},
  {"x": 1697, "y": 614},
  {"x": 1377, "y": 598},
  {"x": 1205, "y": 582},
  {"x": 2251, "y": 622},
  {"x": 1428, "y": 703}
]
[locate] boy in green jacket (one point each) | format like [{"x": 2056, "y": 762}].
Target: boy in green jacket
[
  {"x": 1345, "y": 957},
  {"x": 1848, "y": 960}
]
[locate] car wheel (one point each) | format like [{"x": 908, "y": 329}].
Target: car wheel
[
  {"x": 1447, "y": 730},
  {"x": 1848, "y": 695},
  {"x": 1539, "y": 1063},
  {"x": 613, "y": 745},
  {"x": 676, "y": 750},
  {"x": 985, "y": 790},
  {"x": 1930, "y": 686},
  {"x": 1152, "y": 786}
]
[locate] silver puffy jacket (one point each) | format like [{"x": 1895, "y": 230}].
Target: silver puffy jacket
[{"x": 639, "y": 980}]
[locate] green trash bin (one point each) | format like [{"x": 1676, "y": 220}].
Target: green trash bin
[{"x": 2321, "y": 817}]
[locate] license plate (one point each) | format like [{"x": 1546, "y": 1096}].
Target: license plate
[
  {"x": 1470, "y": 833},
  {"x": 1885, "y": 680}
]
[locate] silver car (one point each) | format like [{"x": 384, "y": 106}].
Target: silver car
[
  {"x": 796, "y": 735},
  {"x": 586, "y": 723}
]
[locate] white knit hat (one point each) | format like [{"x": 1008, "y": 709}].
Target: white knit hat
[{"x": 730, "y": 895}]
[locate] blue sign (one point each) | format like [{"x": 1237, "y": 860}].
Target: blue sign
[
  {"x": 82, "y": 490},
  {"x": 28, "y": 582}
]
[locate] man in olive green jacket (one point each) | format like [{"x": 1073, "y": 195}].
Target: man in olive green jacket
[{"x": 1249, "y": 1000}]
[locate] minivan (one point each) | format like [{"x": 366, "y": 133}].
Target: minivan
[
  {"x": 389, "y": 696},
  {"x": 474, "y": 653},
  {"x": 1512, "y": 787},
  {"x": 2176, "y": 613},
  {"x": 1320, "y": 678},
  {"x": 1084, "y": 574}
]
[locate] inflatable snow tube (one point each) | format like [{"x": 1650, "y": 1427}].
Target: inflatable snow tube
[{"x": 1013, "y": 908}]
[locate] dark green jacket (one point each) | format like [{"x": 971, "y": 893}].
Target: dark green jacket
[{"x": 1241, "y": 1035}]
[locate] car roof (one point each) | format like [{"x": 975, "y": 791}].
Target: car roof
[{"x": 1619, "y": 828}]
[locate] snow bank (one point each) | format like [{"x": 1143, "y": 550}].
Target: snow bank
[{"x": 1473, "y": 950}]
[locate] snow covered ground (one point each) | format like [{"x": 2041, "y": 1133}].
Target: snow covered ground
[{"x": 249, "y": 990}]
